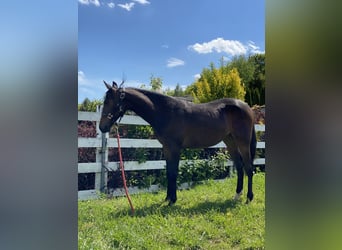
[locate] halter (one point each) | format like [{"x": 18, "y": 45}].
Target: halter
[{"x": 109, "y": 115}]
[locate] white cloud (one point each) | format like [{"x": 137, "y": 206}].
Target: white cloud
[
  {"x": 81, "y": 77},
  {"x": 197, "y": 76},
  {"x": 230, "y": 47},
  {"x": 111, "y": 5},
  {"x": 143, "y": 2},
  {"x": 165, "y": 46},
  {"x": 254, "y": 49},
  {"x": 90, "y": 88},
  {"x": 219, "y": 45},
  {"x": 84, "y": 81},
  {"x": 87, "y": 2},
  {"x": 127, "y": 6},
  {"x": 174, "y": 62}
]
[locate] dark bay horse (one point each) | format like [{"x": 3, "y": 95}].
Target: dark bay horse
[{"x": 179, "y": 124}]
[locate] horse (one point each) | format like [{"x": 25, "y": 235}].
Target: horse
[{"x": 180, "y": 124}]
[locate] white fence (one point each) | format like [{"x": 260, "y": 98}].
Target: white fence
[{"x": 95, "y": 167}]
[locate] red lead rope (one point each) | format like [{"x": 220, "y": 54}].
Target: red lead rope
[{"x": 123, "y": 172}]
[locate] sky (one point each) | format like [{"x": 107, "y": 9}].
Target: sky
[{"x": 171, "y": 39}]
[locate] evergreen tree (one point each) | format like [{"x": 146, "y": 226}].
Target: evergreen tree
[
  {"x": 257, "y": 84},
  {"x": 252, "y": 72},
  {"x": 178, "y": 91}
]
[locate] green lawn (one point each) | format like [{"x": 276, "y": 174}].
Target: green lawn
[{"x": 205, "y": 217}]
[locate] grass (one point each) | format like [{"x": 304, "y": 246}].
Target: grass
[{"x": 204, "y": 217}]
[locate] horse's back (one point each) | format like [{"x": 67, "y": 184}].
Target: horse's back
[
  {"x": 203, "y": 125},
  {"x": 218, "y": 108}
]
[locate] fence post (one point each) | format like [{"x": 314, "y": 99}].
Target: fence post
[
  {"x": 101, "y": 156},
  {"x": 104, "y": 158}
]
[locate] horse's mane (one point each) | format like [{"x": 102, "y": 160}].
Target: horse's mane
[
  {"x": 150, "y": 93},
  {"x": 158, "y": 97},
  {"x": 168, "y": 102}
]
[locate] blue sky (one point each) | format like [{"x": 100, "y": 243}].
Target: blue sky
[{"x": 170, "y": 39}]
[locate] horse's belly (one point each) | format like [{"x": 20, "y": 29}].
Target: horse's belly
[
  {"x": 199, "y": 144},
  {"x": 202, "y": 140}
]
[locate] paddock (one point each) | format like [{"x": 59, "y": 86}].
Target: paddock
[{"x": 102, "y": 143}]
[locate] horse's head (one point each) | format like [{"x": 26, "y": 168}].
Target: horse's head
[{"x": 113, "y": 106}]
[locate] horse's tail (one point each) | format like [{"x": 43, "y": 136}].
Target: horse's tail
[{"x": 253, "y": 144}]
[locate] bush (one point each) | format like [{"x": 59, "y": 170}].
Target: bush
[
  {"x": 193, "y": 171},
  {"x": 190, "y": 171}
]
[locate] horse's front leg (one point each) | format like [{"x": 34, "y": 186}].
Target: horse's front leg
[{"x": 172, "y": 162}]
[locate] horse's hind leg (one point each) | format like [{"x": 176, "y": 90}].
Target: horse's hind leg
[
  {"x": 238, "y": 164},
  {"x": 172, "y": 162},
  {"x": 248, "y": 167},
  {"x": 240, "y": 152}
]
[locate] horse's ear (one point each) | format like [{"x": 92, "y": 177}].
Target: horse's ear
[
  {"x": 122, "y": 83},
  {"x": 107, "y": 85},
  {"x": 115, "y": 85}
]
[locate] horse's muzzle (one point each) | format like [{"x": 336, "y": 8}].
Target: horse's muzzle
[{"x": 104, "y": 128}]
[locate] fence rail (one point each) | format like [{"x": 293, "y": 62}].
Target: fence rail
[{"x": 102, "y": 154}]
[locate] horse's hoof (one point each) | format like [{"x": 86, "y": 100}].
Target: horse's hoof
[
  {"x": 237, "y": 196},
  {"x": 249, "y": 200},
  {"x": 171, "y": 201}
]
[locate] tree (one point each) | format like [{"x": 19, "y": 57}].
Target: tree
[
  {"x": 252, "y": 72},
  {"x": 244, "y": 67},
  {"x": 156, "y": 83},
  {"x": 88, "y": 105},
  {"x": 256, "y": 89},
  {"x": 216, "y": 83},
  {"x": 178, "y": 91}
]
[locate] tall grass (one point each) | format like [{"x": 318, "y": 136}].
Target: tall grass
[{"x": 204, "y": 217}]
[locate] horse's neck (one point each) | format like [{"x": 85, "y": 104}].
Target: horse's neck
[{"x": 141, "y": 104}]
